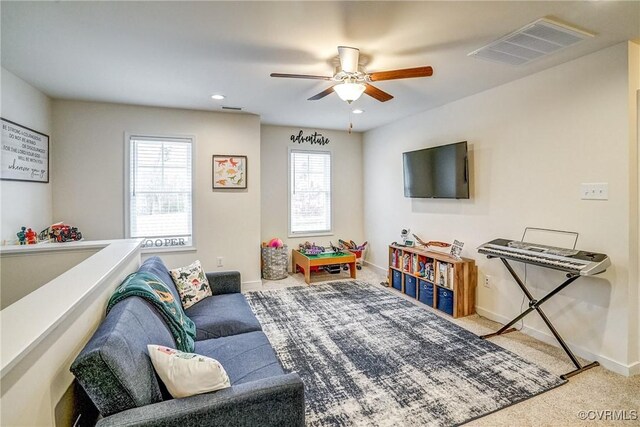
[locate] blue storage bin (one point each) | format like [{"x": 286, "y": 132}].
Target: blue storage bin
[
  {"x": 410, "y": 285},
  {"x": 425, "y": 295},
  {"x": 445, "y": 301},
  {"x": 396, "y": 280}
]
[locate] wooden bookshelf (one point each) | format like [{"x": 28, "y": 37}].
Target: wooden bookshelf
[{"x": 413, "y": 270}]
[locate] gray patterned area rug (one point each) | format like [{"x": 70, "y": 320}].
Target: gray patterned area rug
[{"x": 370, "y": 358}]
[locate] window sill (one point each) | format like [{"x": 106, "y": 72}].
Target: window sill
[
  {"x": 326, "y": 233},
  {"x": 168, "y": 250}
]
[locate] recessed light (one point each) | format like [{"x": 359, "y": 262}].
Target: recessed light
[
  {"x": 357, "y": 111},
  {"x": 217, "y": 97}
]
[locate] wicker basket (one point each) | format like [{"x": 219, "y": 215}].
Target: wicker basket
[{"x": 275, "y": 262}]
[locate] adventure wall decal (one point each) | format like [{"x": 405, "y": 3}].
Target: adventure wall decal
[{"x": 314, "y": 138}]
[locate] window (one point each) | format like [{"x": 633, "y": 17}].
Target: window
[
  {"x": 309, "y": 192},
  {"x": 160, "y": 191}
]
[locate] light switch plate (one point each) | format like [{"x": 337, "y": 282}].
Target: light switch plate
[{"x": 594, "y": 191}]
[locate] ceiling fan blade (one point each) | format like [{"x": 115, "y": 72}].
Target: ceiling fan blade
[
  {"x": 322, "y": 94},
  {"x": 300, "y": 76},
  {"x": 401, "y": 74},
  {"x": 349, "y": 57},
  {"x": 376, "y": 93}
]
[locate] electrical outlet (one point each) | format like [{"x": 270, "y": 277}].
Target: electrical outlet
[
  {"x": 488, "y": 281},
  {"x": 220, "y": 263},
  {"x": 594, "y": 191}
]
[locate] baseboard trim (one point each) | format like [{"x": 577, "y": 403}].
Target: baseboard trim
[
  {"x": 381, "y": 269},
  {"x": 252, "y": 282},
  {"x": 610, "y": 364}
]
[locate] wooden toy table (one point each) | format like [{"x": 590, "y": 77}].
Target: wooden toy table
[{"x": 305, "y": 262}]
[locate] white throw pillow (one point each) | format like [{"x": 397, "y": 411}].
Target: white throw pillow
[
  {"x": 186, "y": 374},
  {"x": 192, "y": 284}
]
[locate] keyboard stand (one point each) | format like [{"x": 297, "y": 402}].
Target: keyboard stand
[{"x": 535, "y": 305}]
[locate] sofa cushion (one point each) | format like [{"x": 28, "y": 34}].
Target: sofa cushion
[
  {"x": 114, "y": 367},
  {"x": 156, "y": 266},
  {"x": 187, "y": 374},
  {"x": 245, "y": 357},
  {"x": 191, "y": 283},
  {"x": 222, "y": 315}
]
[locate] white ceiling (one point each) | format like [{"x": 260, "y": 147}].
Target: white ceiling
[{"x": 176, "y": 54}]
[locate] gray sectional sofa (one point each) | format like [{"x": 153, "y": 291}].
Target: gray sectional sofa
[{"x": 115, "y": 370}]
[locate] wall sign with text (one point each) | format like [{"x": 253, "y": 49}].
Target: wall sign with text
[
  {"x": 314, "y": 138},
  {"x": 25, "y": 154}
]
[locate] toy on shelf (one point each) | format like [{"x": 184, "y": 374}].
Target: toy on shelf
[
  {"x": 434, "y": 245},
  {"x": 22, "y": 236},
  {"x": 31, "y": 236},
  {"x": 404, "y": 234}
]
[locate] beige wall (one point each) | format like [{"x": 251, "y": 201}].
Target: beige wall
[
  {"x": 89, "y": 186},
  {"x": 347, "y": 185},
  {"x": 532, "y": 142},
  {"x": 634, "y": 161},
  {"x": 21, "y": 274},
  {"x": 24, "y": 203}
]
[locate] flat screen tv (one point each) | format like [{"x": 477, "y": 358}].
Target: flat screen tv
[{"x": 437, "y": 172}]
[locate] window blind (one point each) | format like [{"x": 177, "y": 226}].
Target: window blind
[
  {"x": 310, "y": 192},
  {"x": 160, "y": 189}
]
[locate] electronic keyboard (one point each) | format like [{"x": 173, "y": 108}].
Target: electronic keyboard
[{"x": 570, "y": 260}]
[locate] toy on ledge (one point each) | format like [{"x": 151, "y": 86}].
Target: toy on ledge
[
  {"x": 31, "y": 236},
  {"x": 310, "y": 248},
  {"x": 60, "y": 232},
  {"x": 26, "y": 236},
  {"x": 22, "y": 236}
]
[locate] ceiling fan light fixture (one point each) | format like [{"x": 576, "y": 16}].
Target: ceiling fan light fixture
[
  {"x": 217, "y": 97},
  {"x": 349, "y": 91}
]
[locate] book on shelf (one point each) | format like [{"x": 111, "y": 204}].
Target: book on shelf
[
  {"x": 443, "y": 274},
  {"x": 429, "y": 272}
]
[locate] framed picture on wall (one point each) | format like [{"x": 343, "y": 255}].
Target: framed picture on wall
[
  {"x": 229, "y": 172},
  {"x": 25, "y": 154}
]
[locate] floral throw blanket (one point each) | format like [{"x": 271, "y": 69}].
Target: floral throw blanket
[{"x": 149, "y": 287}]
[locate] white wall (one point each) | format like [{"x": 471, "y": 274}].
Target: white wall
[
  {"x": 19, "y": 277},
  {"x": 347, "y": 198},
  {"x": 532, "y": 142},
  {"x": 24, "y": 203},
  {"x": 89, "y": 186}
]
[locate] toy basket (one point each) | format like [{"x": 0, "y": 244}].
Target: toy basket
[{"x": 275, "y": 263}]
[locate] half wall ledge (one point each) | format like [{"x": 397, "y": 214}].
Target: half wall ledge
[{"x": 26, "y": 322}]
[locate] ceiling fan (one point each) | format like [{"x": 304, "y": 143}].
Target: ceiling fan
[{"x": 349, "y": 82}]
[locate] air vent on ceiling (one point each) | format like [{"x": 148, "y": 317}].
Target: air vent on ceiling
[
  {"x": 232, "y": 108},
  {"x": 540, "y": 38}
]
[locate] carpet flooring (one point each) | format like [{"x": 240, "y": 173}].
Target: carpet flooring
[{"x": 368, "y": 357}]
